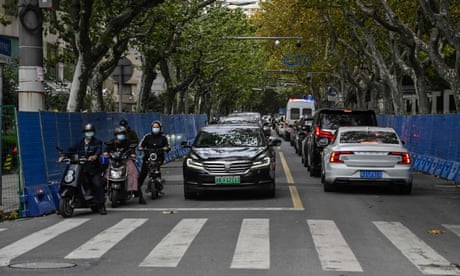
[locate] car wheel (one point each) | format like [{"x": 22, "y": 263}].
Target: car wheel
[
  {"x": 328, "y": 187},
  {"x": 405, "y": 189},
  {"x": 188, "y": 194},
  {"x": 272, "y": 192}
]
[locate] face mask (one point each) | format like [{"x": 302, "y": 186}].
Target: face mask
[
  {"x": 89, "y": 134},
  {"x": 155, "y": 130},
  {"x": 121, "y": 137}
]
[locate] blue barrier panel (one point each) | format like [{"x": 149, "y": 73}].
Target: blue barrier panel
[
  {"x": 439, "y": 167},
  {"x": 54, "y": 189},
  {"x": 457, "y": 177},
  {"x": 418, "y": 162},
  {"x": 453, "y": 171},
  {"x": 37, "y": 200},
  {"x": 433, "y": 165},
  {"x": 427, "y": 165},
  {"x": 446, "y": 169}
]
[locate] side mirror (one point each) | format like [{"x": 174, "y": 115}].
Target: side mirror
[
  {"x": 274, "y": 141},
  {"x": 185, "y": 144}
]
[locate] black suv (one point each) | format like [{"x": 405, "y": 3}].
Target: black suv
[{"x": 325, "y": 123}]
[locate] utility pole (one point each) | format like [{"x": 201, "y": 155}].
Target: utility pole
[{"x": 31, "y": 96}]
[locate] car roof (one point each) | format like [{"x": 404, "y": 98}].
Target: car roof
[
  {"x": 229, "y": 126},
  {"x": 325, "y": 110},
  {"x": 365, "y": 128}
]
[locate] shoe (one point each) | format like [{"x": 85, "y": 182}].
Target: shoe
[
  {"x": 142, "y": 200},
  {"x": 102, "y": 210}
]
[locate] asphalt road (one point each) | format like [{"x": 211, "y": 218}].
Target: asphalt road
[{"x": 302, "y": 231}]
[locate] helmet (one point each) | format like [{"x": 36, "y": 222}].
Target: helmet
[
  {"x": 89, "y": 127},
  {"x": 120, "y": 130},
  {"x": 123, "y": 122}
]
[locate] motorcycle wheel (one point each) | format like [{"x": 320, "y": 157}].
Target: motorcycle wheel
[
  {"x": 65, "y": 207},
  {"x": 114, "y": 198}
]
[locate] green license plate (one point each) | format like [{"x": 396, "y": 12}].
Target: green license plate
[{"x": 227, "y": 180}]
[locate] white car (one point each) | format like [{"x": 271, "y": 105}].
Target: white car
[{"x": 366, "y": 155}]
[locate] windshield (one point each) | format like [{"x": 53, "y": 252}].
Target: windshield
[
  {"x": 335, "y": 120},
  {"x": 244, "y": 137}
]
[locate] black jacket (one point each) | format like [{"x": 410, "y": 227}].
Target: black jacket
[
  {"x": 94, "y": 147},
  {"x": 154, "y": 141}
]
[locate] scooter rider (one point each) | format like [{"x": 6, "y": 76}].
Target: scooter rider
[
  {"x": 91, "y": 147},
  {"x": 120, "y": 141},
  {"x": 152, "y": 140}
]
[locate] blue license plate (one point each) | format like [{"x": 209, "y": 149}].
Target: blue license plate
[{"x": 371, "y": 174}]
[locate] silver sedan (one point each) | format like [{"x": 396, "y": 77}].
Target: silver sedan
[{"x": 366, "y": 155}]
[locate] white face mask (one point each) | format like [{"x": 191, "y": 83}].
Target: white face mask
[
  {"x": 89, "y": 134},
  {"x": 121, "y": 137},
  {"x": 155, "y": 130}
]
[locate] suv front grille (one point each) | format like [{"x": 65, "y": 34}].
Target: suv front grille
[{"x": 229, "y": 167}]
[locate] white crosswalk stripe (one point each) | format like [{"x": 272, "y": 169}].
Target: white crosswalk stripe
[
  {"x": 170, "y": 250},
  {"x": 253, "y": 245},
  {"x": 418, "y": 252},
  {"x": 104, "y": 241},
  {"x": 36, "y": 239},
  {"x": 454, "y": 228},
  {"x": 333, "y": 251},
  {"x": 252, "y": 249}
]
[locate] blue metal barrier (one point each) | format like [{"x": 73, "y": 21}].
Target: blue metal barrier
[{"x": 37, "y": 201}]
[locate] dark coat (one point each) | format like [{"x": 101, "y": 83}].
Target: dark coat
[{"x": 94, "y": 148}]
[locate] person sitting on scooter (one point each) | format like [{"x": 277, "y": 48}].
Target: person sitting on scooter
[
  {"x": 152, "y": 140},
  {"x": 120, "y": 141},
  {"x": 131, "y": 135},
  {"x": 91, "y": 147}
]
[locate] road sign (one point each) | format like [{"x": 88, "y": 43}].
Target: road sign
[
  {"x": 124, "y": 70},
  {"x": 5, "y": 46},
  {"x": 296, "y": 60}
]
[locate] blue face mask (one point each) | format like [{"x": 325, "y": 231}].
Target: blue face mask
[
  {"x": 89, "y": 134},
  {"x": 121, "y": 137},
  {"x": 155, "y": 130}
]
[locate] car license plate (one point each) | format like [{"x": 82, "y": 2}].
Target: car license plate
[
  {"x": 227, "y": 179},
  {"x": 371, "y": 174}
]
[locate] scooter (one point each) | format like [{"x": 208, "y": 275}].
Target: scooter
[
  {"x": 117, "y": 177},
  {"x": 156, "y": 183},
  {"x": 75, "y": 189}
]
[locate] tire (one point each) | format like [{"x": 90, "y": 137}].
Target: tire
[
  {"x": 272, "y": 192},
  {"x": 405, "y": 189},
  {"x": 65, "y": 207},
  {"x": 188, "y": 194},
  {"x": 154, "y": 193},
  {"x": 114, "y": 198},
  {"x": 328, "y": 187}
]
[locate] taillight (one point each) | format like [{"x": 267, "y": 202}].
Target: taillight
[
  {"x": 323, "y": 134},
  {"x": 405, "y": 157},
  {"x": 335, "y": 156},
  {"x": 286, "y": 123}
]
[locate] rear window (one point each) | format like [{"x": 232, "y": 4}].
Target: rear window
[
  {"x": 307, "y": 112},
  {"x": 368, "y": 137},
  {"x": 336, "y": 119},
  {"x": 295, "y": 113}
]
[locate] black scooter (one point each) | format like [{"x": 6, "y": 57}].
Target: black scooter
[
  {"x": 117, "y": 176},
  {"x": 75, "y": 189},
  {"x": 156, "y": 183}
]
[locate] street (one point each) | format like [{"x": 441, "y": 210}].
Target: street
[{"x": 302, "y": 231}]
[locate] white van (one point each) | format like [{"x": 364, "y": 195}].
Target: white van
[{"x": 296, "y": 109}]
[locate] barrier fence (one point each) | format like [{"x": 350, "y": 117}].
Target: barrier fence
[
  {"x": 30, "y": 185},
  {"x": 433, "y": 140}
]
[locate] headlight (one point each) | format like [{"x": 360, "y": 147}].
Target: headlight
[
  {"x": 194, "y": 164},
  {"x": 265, "y": 162},
  {"x": 116, "y": 173}
]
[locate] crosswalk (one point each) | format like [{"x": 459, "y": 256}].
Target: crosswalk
[{"x": 252, "y": 249}]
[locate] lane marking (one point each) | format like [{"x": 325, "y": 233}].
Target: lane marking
[
  {"x": 173, "y": 246},
  {"x": 104, "y": 241},
  {"x": 454, "y": 228},
  {"x": 296, "y": 201},
  {"x": 253, "y": 246},
  {"x": 3, "y": 229},
  {"x": 417, "y": 251},
  {"x": 262, "y": 209},
  {"x": 36, "y": 239},
  {"x": 333, "y": 251}
]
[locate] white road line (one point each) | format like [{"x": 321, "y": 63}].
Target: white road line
[
  {"x": 3, "y": 229},
  {"x": 263, "y": 209},
  {"x": 418, "y": 252},
  {"x": 104, "y": 241},
  {"x": 453, "y": 228},
  {"x": 333, "y": 251},
  {"x": 36, "y": 239},
  {"x": 253, "y": 247},
  {"x": 173, "y": 246}
]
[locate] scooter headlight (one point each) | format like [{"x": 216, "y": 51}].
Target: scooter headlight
[
  {"x": 69, "y": 177},
  {"x": 116, "y": 173}
]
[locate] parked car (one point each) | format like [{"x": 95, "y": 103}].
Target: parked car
[
  {"x": 230, "y": 157},
  {"x": 302, "y": 130},
  {"x": 324, "y": 124},
  {"x": 366, "y": 155}
]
